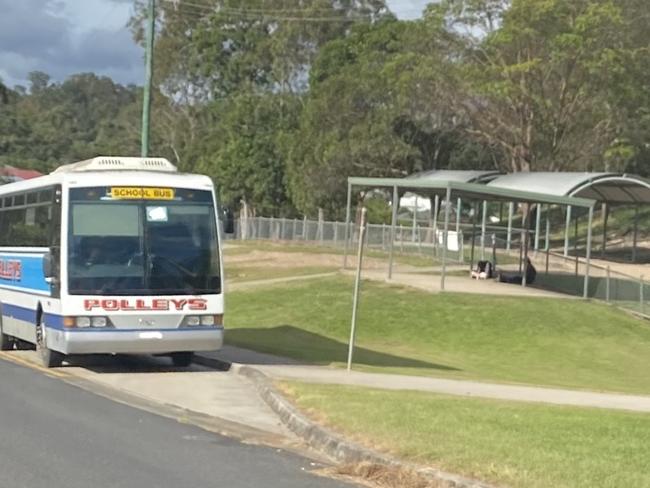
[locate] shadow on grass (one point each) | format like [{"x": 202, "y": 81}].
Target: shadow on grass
[
  {"x": 620, "y": 289},
  {"x": 311, "y": 348}
]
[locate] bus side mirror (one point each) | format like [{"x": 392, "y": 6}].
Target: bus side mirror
[
  {"x": 228, "y": 221},
  {"x": 48, "y": 269}
]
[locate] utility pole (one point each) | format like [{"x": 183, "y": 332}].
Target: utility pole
[{"x": 146, "y": 105}]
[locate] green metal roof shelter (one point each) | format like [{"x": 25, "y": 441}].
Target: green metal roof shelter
[
  {"x": 453, "y": 188},
  {"x": 611, "y": 189}
]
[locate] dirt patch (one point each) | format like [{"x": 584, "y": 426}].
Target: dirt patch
[{"x": 381, "y": 476}]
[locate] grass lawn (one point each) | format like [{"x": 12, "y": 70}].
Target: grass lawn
[
  {"x": 512, "y": 444},
  {"x": 543, "y": 341},
  {"x": 240, "y": 274}
]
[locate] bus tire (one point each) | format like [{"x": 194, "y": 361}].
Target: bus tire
[
  {"x": 49, "y": 358},
  {"x": 6, "y": 342},
  {"x": 182, "y": 359}
]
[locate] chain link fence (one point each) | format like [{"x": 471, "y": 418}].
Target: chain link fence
[{"x": 466, "y": 244}]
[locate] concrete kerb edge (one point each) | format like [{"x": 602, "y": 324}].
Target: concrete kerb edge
[{"x": 321, "y": 439}]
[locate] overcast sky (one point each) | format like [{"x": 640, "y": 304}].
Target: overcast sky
[{"x": 62, "y": 37}]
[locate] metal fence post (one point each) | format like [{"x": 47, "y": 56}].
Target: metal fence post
[
  {"x": 336, "y": 233},
  {"x": 393, "y": 221},
  {"x": 295, "y": 222},
  {"x": 283, "y": 228}
]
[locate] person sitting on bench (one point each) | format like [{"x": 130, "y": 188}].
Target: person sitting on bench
[
  {"x": 483, "y": 270},
  {"x": 515, "y": 278}
]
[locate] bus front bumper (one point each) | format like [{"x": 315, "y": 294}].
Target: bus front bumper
[{"x": 135, "y": 341}]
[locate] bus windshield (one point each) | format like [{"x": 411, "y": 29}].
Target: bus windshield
[{"x": 142, "y": 241}]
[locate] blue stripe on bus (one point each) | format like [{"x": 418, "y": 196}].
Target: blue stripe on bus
[
  {"x": 19, "y": 313},
  {"x": 29, "y": 315}
]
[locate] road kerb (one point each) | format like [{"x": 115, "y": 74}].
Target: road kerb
[{"x": 322, "y": 439}]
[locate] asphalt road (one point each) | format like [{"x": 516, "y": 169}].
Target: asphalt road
[{"x": 53, "y": 434}]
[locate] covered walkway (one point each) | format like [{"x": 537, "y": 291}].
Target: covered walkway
[
  {"x": 449, "y": 189},
  {"x": 609, "y": 189}
]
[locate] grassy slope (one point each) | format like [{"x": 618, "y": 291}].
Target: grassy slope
[
  {"x": 513, "y": 444},
  {"x": 566, "y": 343}
]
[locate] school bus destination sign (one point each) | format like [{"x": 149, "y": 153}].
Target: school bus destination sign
[{"x": 141, "y": 193}]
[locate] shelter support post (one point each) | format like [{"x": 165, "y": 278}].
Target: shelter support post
[
  {"x": 526, "y": 245},
  {"x": 483, "y": 229},
  {"x": 566, "y": 231},
  {"x": 445, "y": 239},
  {"x": 347, "y": 226},
  {"x": 415, "y": 219},
  {"x": 538, "y": 224},
  {"x": 459, "y": 207},
  {"x": 436, "y": 209},
  {"x": 607, "y": 285},
  {"x": 575, "y": 244},
  {"x": 636, "y": 232},
  {"x": 393, "y": 223},
  {"x": 605, "y": 213},
  {"x": 588, "y": 253},
  {"x": 511, "y": 211},
  {"x": 474, "y": 217},
  {"x": 547, "y": 243}
]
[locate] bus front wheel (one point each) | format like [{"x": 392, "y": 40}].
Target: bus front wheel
[
  {"x": 182, "y": 359},
  {"x": 49, "y": 358}
]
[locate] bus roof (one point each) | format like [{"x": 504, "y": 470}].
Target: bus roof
[{"x": 107, "y": 171}]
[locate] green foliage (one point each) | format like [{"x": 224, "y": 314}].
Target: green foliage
[
  {"x": 281, "y": 100},
  {"x": 376, "y": 107},
  {"x": 58, "y": 123},
  {"x": 379, "y": 210},
  {"x": 245, "y": 158},
  {"x": 546, "y": 74}
]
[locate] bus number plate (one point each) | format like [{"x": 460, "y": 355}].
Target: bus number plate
[{"x": 140, "y": 193}]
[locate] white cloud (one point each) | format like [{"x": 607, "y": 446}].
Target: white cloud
[{"x": 63, "y": 37}]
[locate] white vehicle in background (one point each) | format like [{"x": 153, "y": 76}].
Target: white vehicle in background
[{"x": 111, "y": 256}]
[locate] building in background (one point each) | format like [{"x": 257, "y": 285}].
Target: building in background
[{"x": 10, "y": 174}]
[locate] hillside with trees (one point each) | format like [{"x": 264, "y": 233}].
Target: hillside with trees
[{"x": 280, "y": 101}]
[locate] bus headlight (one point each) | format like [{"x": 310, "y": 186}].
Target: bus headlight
[
  {"x": 192, "y": 321},
  {"x": 203, "y": 321},
  {"x": 82, "y": 322},
  {"x": 207, "y": 320},
  {"x": 99, "y": 322}
]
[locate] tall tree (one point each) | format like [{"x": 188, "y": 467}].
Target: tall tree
[
  {"x": 376, "y": 107},
  {"x": 536, "y": 81}
]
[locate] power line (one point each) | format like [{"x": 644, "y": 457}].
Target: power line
[
  {"x": 202, "y": 10},
  {"x": 262, "y": 10}
]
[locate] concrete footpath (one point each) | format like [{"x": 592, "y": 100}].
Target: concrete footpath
[{"x": 283, "y": 368}]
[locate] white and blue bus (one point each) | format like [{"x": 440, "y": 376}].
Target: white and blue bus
[{"x": 111, "y": 256}]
